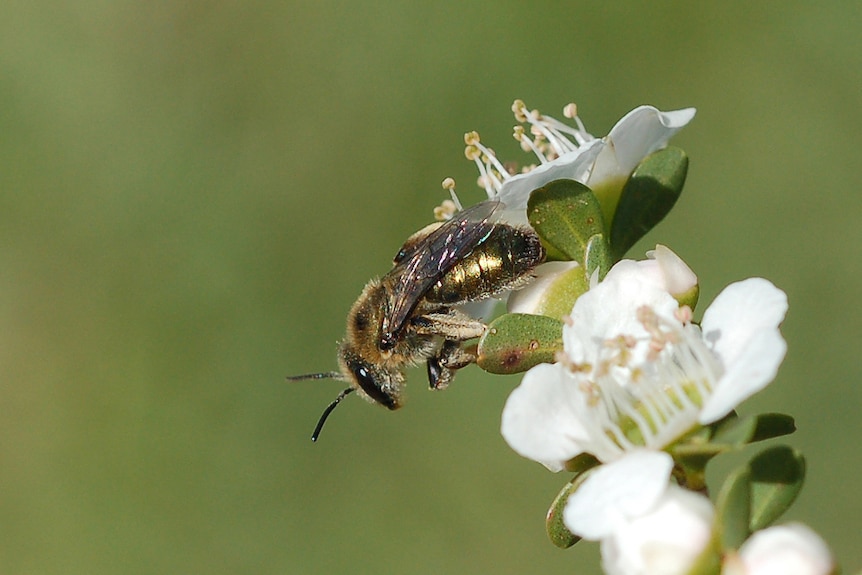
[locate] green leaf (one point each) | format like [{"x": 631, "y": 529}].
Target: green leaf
[
  {"x": 770, "y": 425},
  {"x": 758, "y": 493},
  {"x": 647, "y": 197},
  {"x": 737, "y": 432},
  {"x": 597, "y": 256},
  {"x": 777, "y": 475},
  {"x": 733, "y": 509},
  {"x": 557, "y": 530},
  {"x": 566, "y": 215},
  {"x": 515, "y": 342}
]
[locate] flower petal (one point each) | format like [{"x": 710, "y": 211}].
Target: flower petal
[
  {"x": 667, "y": 540},
  {"x": 663, "y": 269},
  {"x": 610, "y": 309},
  {"x": 752, "y": 370},
  {"x": 740, "y": 310},
  {"x": 742, "y": 325},
  {"x": 572, "y": 166},
  {"x": 638, "y": 134},
  {"x": 792, "y": 549},
  {"x": 540, "y": 418},
  {"x": 616, "y": 492}
]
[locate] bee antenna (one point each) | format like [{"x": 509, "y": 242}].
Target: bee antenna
[
  {"x": 326, "y": 375},
  {"x": 327, "y": 411}
]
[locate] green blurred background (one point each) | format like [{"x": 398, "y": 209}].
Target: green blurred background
[{"x": 194, "y": 193}]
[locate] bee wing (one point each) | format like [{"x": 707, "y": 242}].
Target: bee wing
[{"x": 428, "y": 260}]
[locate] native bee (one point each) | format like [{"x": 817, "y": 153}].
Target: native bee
[{"x": 412, "y": 314}]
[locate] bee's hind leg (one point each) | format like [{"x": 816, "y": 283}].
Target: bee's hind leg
[
  {"x": 450, "y": 325},
  {"x": 450, "y": 358}
]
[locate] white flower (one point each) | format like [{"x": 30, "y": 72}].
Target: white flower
[
  {"x": 571, "y": 152},
  {"x": 637, "y": 373},
  {"x": 564, "y": 281},
  {"x": 791, "y": 549},
  {"x": 646, "y": 524}
]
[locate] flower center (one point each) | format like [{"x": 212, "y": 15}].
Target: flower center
[{"x": 648, "y": 390}]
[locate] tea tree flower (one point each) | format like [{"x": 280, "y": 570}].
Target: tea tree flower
[
  {"x": 570, "y": 152},
  {"x": 637, "y": 373},
  {"x": 645, "y": 523},
  {"x": 791, "y": 549}
]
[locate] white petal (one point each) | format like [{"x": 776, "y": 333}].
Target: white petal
[
  {"x": 666, "y": 540},
  {"x": 664, "y": 269},
  {"x": 792, "y": 549},
  {"x": 573, "y": 166},
  {"x": 638, "y": 134},
  {"x": 752, "y": 370},
  {"x": 540, "y": 419},
  {"x": 610, "y": 309},
  {"x": 742, "y": 325},
  {"x": 739, "y": 311},
  {"x": 678, "y": 277},
  {"x": 616, "y": 492}
]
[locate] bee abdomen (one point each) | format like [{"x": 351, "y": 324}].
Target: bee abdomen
[{"x": 503, "y": 261}]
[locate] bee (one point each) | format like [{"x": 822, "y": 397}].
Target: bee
[{"x": 413, "y": 313}]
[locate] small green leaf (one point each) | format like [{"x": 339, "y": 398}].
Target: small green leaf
[
  {"x": 566, "y": 215},
  {"x": 735, "y": 432},
  {"x": 557, "y": 530},
  {"x": 515, "y": 342},
  {"x": 770, "y": 425},
  {"x": 733, "y": 509},
  {"x": 647, "y": 197},
  {"x": 757, "y": 494},
  {"x": 738, "y": 432},
  {"x": 597, "y": 256},
  {"x": 777, "y": 475}
]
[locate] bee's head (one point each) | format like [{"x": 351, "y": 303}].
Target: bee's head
[{"x": 377, "y": 383}]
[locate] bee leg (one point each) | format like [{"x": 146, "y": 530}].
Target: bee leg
[
  {"x": 450, "y": 358},
  {"x": 452, "y": 325}
]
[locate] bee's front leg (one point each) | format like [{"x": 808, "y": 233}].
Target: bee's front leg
[{"x": 451, "y": 357}]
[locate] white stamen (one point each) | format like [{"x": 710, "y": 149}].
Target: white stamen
[{"x": 551, "y": 139}]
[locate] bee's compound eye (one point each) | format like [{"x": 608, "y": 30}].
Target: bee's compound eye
[{"x": 370, "y": 385}]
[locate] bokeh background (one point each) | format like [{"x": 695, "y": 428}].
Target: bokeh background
[{"x": 192, "y": 194}]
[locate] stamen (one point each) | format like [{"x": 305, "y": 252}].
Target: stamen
[{"x": 548, "y": 139}]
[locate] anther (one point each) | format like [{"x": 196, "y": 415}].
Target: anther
[{"x": 518, "y": 108}]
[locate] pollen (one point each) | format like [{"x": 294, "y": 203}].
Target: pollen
[{"x": 519, "y": 109}]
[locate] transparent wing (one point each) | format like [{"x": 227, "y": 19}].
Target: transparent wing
[{"x": 426, "y": 261}]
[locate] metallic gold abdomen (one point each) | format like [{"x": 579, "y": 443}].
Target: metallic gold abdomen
[{"x": 501, "y": 262}]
